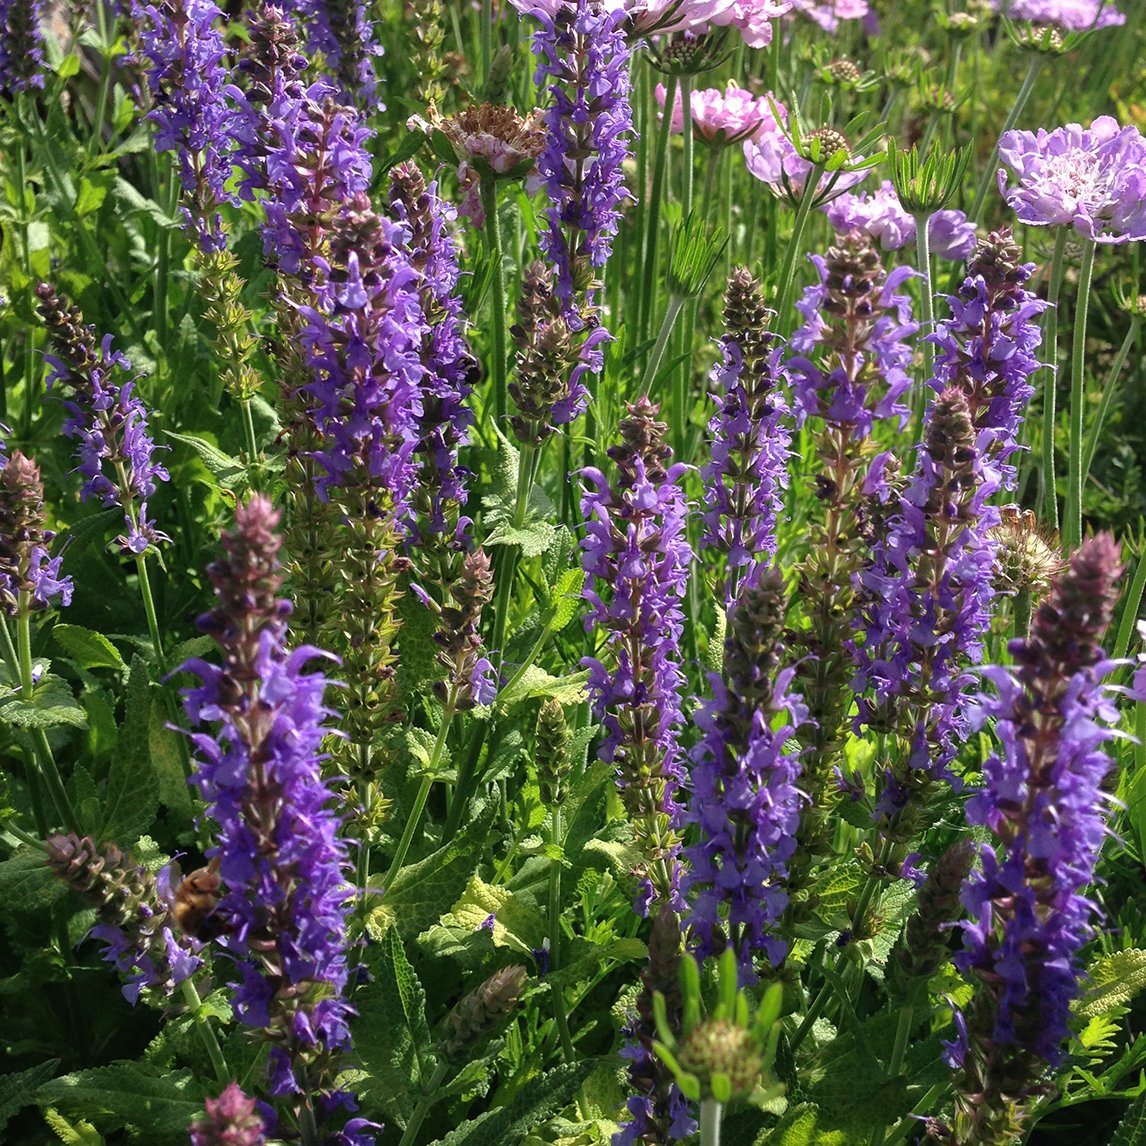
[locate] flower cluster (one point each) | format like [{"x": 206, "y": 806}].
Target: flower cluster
[
  {"x": 745, "y": 476},
  {"x": 722, "y": 117},
  {"x": 135, "y": 921},
  {"x": 1070, "y": 15},
  {"x": 1043, "y": 801},
  {"x": 1092, "y": 179},
  {"x": 856, "y": 315},
  {"x": 987, "y": 347},
  {"x": 29, "y": 578},
  {"x": 21, "y": 45},
  {"x": 231, "y": 1120},
  {"x": 950, "y": 234},
  {"x": 193, "y": 112},
  {"x": 116, "y": 452},
  {"x": 929, "y": 591},
  {"x": 583, "y": 64},
  {"x": 829, "y": 13},
  {"x": 281, "y": 861},
  {"x": 745, "y": 800},
  {"x": 635, "y": 544}
]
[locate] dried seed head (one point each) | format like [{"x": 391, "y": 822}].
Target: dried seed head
[{"x": 1026, "y": 557}]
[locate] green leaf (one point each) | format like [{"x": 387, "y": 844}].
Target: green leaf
[
  {"x": 26, "y": 881},
  {"x": 172, "y": 789},
  {"x": 537, "y": 1100},
  {"x": 415, "y": 899},
  {"x": 226, "y": 470},
  {"x": 535, "y": 681},
  {"x": 535, "y": 534},
  {"x": 52, "y": 704},
  {"x": 516, "y": 925},
  {"x": 16, "y": 1089},
  {"x": 1114, "y": 980},
  {"x": 392, "y": 1039},
  {"x": 158, "y": 1107},
  {"x": 126, "y": 193},
  {"x": 132, "y": 786},
  {"x": 1132, "y": 1129},
  {"x": 79, "y": 1133},
  {"x": 800, "y": 1127},
  {"x": 87, "y": 649},
  {"x": 566, "y": 598}
]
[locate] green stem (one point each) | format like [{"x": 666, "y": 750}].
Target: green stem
[
  {"x": 1108, "y": 397},
  {"x": 206, "y": 1031},
  {"x": 898, "y": 1053},
  {"x": 415, "y": 816},
  {"x": 425, "y": 1103},
  {"x": 711, "y": 1113},
  {"x": 49, "y": 772},
  {"x": 507, "y": 571},
  {"x": 673, "y": 309},
  {"x": 1050, "y": 341},
  {"x": 493, "y": 248},
  {"x": 556, "y": 839},
  {"x": 787, "y": 274},
  {"x": 486, "y": 40},
  {"x": 149, "y": 610},
  {"x": 653, "y": 214},
  {"x": 1073, "y": 522},
  {"x": 923, "y": 257},
  {"x": 1033, "y": 69},
  {"x": 686, "y": 131},
  {"x": 249, "y": 434}
]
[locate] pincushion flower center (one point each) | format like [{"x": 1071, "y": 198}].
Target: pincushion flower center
[{"x": 1081, "y": 175}]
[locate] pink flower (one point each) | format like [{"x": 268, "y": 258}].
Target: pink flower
[
  {"x": 1070, "y": 15},
  {"x": 722, "y": 117},
  {"x": 754, "y": 19},
  {"x": 829, "y": 13}
]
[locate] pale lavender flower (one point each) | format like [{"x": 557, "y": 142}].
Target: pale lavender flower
[
  {"x": 880, "y": 214},
  {"x": 1092, "y": 179},
  {"x": 1069, "y": 15}
]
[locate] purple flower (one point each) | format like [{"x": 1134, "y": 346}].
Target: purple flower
[
  {"x": 745, "y": 477},
  {"x": 1093, "y": 179},
  {"x": 635, "y": 546},
  {"x": 193, "y": 111},
  {"x": 283, "y": 866},
  {"x": 879, "y": 214},
  {"x": 829, "y": 13},
  {"x": 231, "y": 1120},
  {"x": 449, "y": 364},
  {"x": 745, "y": 800},
  {"x": 116, "y": 453},
  {"x": 343, "y": 32},
  {"x": 1044, "y": 803},
  {"x": 864, "y": 335},
  {"x": 1070, "y": 15},
  {"x": 21, "y": 45},
  {"x": 929, "y": 589},
  {"x": 29, "y": 578}
]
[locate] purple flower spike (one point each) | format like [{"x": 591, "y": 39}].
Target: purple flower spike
[
  {"x": 635, "y": 545},
  {"x": 1092, "y": 179},
  {"x": 194, "y": 113},
  {"x": 231, "y": 1120},
  {"x": 21, "y": 45},
  {"x": 283, "y": 866},
  {"x": 1043, "y": 801},
  {"x": 116, "y": 453}
]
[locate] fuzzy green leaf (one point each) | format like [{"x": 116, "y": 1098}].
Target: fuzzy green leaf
[
  {"x": 16, "y": 1089},
  {"x": 1132, "y": 1129},
  {"x": 87, "y": 649},
  {"x": 226, "y": 470},
  {"x": 132, "y": 785},
  {"x": 1114, "y": 980}
]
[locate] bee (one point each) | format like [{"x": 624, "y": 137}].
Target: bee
[{"x": 194, "y": 900}]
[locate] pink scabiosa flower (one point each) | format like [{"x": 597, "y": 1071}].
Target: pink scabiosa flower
[
  {"x": 1092, "y": 179},
  {"x": 1069, "y": 15},
  {"x": 721, "y": 117},
  {"x": 283, "y": 866},
  {"x": 1043, "y": 801},
  {"x": 829, "y": 13},
  {"x": 881, "y": 215},
  {"x": 754, "y": 19}
]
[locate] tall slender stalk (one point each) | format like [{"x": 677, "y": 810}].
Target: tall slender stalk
[
  {"x": 653, "y": 213},
  {"x": 923, "y": 258},
  {"x": 711, "y": 1115},
  {"x": 493, "y": 249},
  {"x": 1033, "y": 69},
  {"x": 1108, "y": 392},
  {"x": 788, "y": 272},
  {"x": 1072, "y": 531},
  {"x": 1050, "y": 341}
]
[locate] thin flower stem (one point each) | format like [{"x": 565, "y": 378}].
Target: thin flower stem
[
  {"x": 788, "y": 273},
  {"x": 686, "y": 131},
  {"x": 507, "y": 571},
  {"x": 1033, "y": 69},
  {"x": 673, "y": 309},
  {"x": 1050, "y": 341},
  {"x": 425, "y": 1104},
  {"x": 206, "y": 1031},
  {"x": 249, "y": 434},
  {"x": 923, "y": 257},
  {"x": 556, "y": 840},
  {"x": 1073, "y": 523},
  {"x": 493, "y": 248},
  {"x": 711, "y": 1114},
  {"x": 45, "y": 760},
  {"x": 486, "y": 39},
  {"x": 653, "y": 216},
  {"x": 895, "y": 1065},
  {"x": 415, "y": 816},
  {"x": 1108, "y": 397}
]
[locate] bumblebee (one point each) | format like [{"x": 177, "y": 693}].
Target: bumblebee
[{"x": 194, "y": 901}]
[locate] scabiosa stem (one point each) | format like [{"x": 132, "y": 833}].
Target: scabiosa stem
[
  {"x": 1072, "y": 526},
  {"x": 1058, "y": 267},
  {"x": 283, "y": 867},
  {"x": 1044, "y": 803},
  {"x": 652, "y": 215},
  {"x": 744, "y": 479},
  {"x": 635, "y": 545}
]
